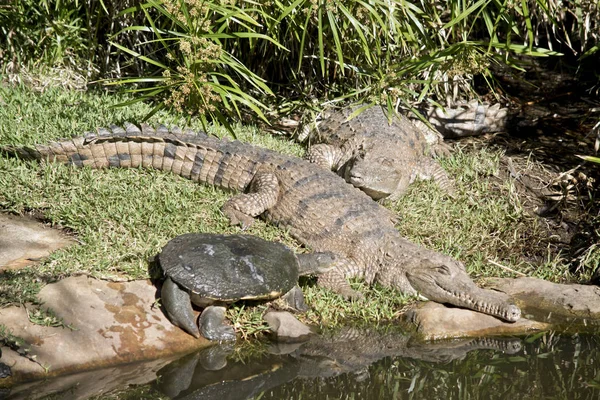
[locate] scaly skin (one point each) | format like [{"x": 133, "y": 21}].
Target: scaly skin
[
  {"x": 317, "y": 207},
  {"x": 354, "y": 349},
  {"x": 380, "y": 156}
]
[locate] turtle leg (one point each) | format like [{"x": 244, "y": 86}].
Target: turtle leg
[
  {"x": 295, "y": 299},
  {"x": 213, "y": 326},
  {"x": 215, "y": 357},
  {"x": 178, "y": 306}
]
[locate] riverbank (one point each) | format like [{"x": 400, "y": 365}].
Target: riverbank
[{"x": 121, "y": 218}]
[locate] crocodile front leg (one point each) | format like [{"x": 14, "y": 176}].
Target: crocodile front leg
[
  {"x": 263, "y": 193},
  {"x": 326, "y": 156},
  {"x": 336, "y": 280}
]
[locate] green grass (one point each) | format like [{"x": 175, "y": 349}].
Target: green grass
[
  {"x": 122, "y": 217},
  {"x": 485, "y": 222}
]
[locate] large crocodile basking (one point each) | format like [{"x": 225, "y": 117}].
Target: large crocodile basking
[
  {"x": 316, "y": 206},
  {"x": 383, "y": 154},
  {"x": 380, "y": 156}
]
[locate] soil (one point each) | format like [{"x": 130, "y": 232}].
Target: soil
[{"x": 552, "y": 115}]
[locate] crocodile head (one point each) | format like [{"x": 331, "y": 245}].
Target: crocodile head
[
  {"x": 378, "y": 171},
  {"x": 446, "y": 281}
]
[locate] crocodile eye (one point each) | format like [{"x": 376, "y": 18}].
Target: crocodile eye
[{"x": 444, "y": 270}]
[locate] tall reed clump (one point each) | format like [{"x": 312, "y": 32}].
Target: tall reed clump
[
  {"x": 216, "y": 56},
  {"x": 194, "y": 71}
]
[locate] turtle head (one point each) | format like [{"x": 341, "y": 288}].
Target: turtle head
[{"x": 316, "y": 263}]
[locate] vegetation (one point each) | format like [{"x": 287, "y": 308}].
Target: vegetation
[
  {"x": 224, "y": 58},
  {"x": 216, "y": 60},
  {"x": 119, "y": 230}
]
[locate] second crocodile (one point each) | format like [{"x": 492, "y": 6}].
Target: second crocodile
[
  {"x": 383, "y": 154},
  {"x": 317, "y": 207}
]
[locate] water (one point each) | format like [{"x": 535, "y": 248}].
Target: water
[
  {"x": 366, "y": 364},
  {"x": 353, "y": 363}
]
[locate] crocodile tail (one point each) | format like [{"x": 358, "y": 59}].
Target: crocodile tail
[
  {"x": 430, "y": 169},
  {"x": 188, "y": 154},
  {"x": 24, "y": 153},
  {"x": 78, "y": 151}
]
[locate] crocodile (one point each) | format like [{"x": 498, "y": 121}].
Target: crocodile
[
  {"x": 351, "y": 351},
  {"x": 355, "y": 349},
  {"x": 461, "y": 119},
  {"x": 382, "y": 156},
  {"x": 315, "y": 205}
]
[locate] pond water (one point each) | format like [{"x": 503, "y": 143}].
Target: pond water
[
  {"x": 368, "y": 364},
  {"x": 352, "y": 363}
]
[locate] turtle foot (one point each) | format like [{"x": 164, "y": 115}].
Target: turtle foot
[
  {"x": 295, "y": 299},
  {"x": 215, "y": 357},
  {"x": 213, "y": 326},
  {"x": 178, "y": 307}
]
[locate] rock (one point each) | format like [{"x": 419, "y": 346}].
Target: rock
[
  {"x": 285, "y": 326},
  {"x": 24, "y": 241},
  {"x": 545, "y": 305},
  {"x": 437, "y": 321},
  {"x": 112, "y": 323},
  {"x": 89, "y": 384},
  {"x": 552, "y": 302},
  {"x": 5, "y": 371}
]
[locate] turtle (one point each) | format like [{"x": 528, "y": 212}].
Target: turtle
[{"x": 212, "y": 270}]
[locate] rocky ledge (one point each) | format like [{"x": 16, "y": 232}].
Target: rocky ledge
[{"x": 112, "y": 323}]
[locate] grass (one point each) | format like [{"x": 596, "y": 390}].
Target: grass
[
  {"x": 122, "y": 217},
  {"x": 485, "y": 222}
]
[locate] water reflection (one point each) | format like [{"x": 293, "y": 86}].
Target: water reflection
[
  {"x": 369, "y": 363},
  {"x": 351, "y": 363}
]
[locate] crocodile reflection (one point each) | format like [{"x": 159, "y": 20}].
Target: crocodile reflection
[{"x": 209, "y": 374}]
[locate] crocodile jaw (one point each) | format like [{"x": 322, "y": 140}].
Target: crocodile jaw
[{"x": 449, "y": 283}]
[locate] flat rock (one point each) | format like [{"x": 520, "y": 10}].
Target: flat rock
[
  {"x": 545, "y": 305},
  {"x": 24, "y": 241},
  {"x": 112, "y": 323},
  {"x": 437, "y": 321},
  {"x": 552, "y": 302},
  {"x": 90, "y": 384},
  {"x": 285, "y": 326}
]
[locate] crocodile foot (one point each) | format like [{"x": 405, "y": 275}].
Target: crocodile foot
[
  {"x": 351, "y": 294},
  {"x": 237, "y": 217}
]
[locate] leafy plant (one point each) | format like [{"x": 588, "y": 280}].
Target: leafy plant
[
  {"x": 46, "y": 317},
  {"x": 49, "y": 32},
  {"x": 590, "y": 158},
  {"x": 216, "y": 56},
  {"x": 197, "y": 73}
]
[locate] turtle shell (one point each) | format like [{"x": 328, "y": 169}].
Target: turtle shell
[{"x": 229, "y": 267}]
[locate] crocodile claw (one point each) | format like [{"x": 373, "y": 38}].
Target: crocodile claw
[{"x": 237, "y": 217}]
